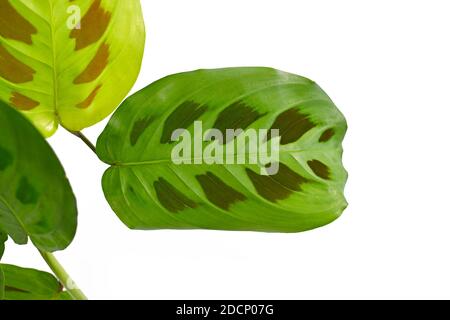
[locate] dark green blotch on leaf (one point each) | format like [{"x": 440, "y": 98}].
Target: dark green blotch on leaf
[
  {"x": 26, "y": 193},
  {"x": 235, "y": 117},
  {"x": 171, "y": 198},
  {"x": 279, "y": 186},
  {"x": 292, "y": 125},
  {"x": 182, "y": 118},
  {"x": 320, "y": 169},
  {"x": 6, "y": 159},
  {"x": 218, "y": 192},
  {"x": 327, "y": 135},
  {"x": 138, "y": 129}
]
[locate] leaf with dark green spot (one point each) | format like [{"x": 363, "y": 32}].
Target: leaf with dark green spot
[
  {"x": 36, "y": 199},
  {"x": 138, "y": 128},
  {"x": 171, "y": 198},
  {"x": 181, "y": 118},
  {"x": 5, "y": 159},
  {"x": 148, "y": 190},
  {"x": 29, "y": 284}
]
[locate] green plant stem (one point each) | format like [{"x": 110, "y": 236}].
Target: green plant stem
[
  {"x": 83, "y": 138},
  {"x": 62, "y": 276}
]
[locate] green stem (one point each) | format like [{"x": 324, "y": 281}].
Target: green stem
[
  {"x": 83, "y": 138},
  {"x": 63, "y": 276}
]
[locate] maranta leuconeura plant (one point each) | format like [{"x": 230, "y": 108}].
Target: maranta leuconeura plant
[
  {"x": 243, "y": 149},
  {"x": 61, "y": 71},
  {"x": 36, "y": 203},
  {"x": 305, "y": 192}
]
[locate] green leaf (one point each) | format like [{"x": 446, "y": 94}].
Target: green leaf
[
  {"x": 36, "y": 199},
  {"x": 3, "y": 239},
  {"x": 30, "y": 284},
  {"x": 69, "y": 62},
  {"x": 148, "y": 190}
]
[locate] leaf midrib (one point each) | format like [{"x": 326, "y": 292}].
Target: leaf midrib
[
  {"x": 164, "y": 161},
  {"x": 55, "y": 75}
]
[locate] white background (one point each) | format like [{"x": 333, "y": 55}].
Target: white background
[{"x": 386, "y": 64}]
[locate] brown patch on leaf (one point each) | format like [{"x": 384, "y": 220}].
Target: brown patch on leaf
[
  {"x": 95, "y": 67},
  {"x": 327, "y": 135},
  {"x": 93, "y": 26},
  {"x": 14, "y": 70},
  {"x": 292, "y": 125},
  {"x": 22, "y": 102},
  {"x": 218, "y": 192},
  {"x": 90, "y": 99},
  {"x": 237, "y": 116},
  {"x": 320, "y": 169},
  {"x": 13, "y": 25},
  {"x": 279, "y": 186}
]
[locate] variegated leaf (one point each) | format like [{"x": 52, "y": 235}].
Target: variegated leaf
[
  {"x": 29, "y": 284},
  {"x": 68, "y": 62},
  {"x": 149, "y": 190},
  {"x": 36, "y": 199}
]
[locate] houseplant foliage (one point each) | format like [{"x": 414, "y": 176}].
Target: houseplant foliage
[
  {"x": 71, "y": 62},
  {"x": 62, "y": 62},
  {"x": 36, "y": 203},
  {"x": 29, "y": 284},
  {"x": 36, "y": 200},
  {"x": 148, "y": 191}
]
